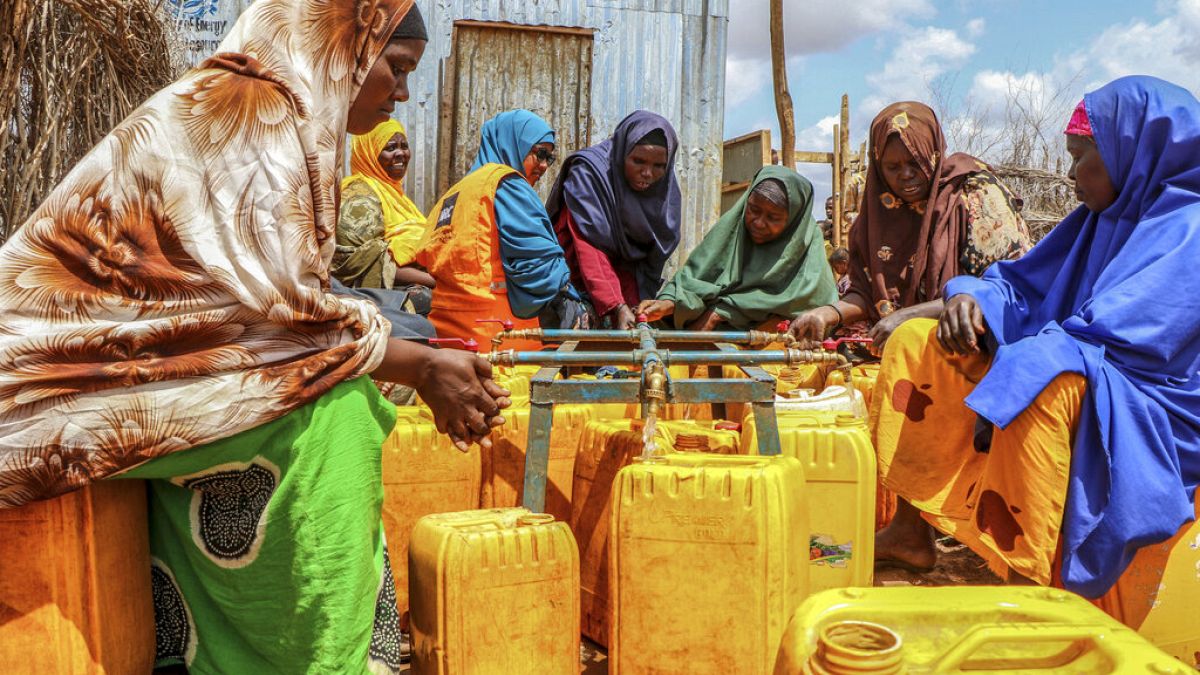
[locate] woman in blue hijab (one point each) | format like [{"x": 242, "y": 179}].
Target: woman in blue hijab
[
  {"x": 492, "y": 250},
  {"x": 616, "y": 210},
  {"x": 1084, "y": 356}
]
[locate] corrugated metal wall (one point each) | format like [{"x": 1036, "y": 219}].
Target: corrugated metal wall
[{"x": 662, "y": 55}]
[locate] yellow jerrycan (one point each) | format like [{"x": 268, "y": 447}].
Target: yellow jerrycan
[
  {"x": 1158, "y": 595},
  {"x": 604, "y": 448},
  {"x": 707, "y": 560},
  {"x": 841, "y": 478},
  {"x": 504, "y": 464},
  {"x": 423, "y": 473},
  {"x": 75, "y": 583},
  {"x": 980, "y": 629},
  {"x": 862, "y": 376},
  {"x": 494, "y": 592}
]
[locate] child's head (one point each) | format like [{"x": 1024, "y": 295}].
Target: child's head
[{"x": 839, "y": 260}]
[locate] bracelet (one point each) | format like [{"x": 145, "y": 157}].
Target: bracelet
[{"x": 839, "y": 313}]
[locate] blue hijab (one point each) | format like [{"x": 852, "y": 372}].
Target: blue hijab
[
  {"x": 535, "y": 267},
  {"x": 1114, "y": 296},
  {"x": 640, "y": 229},
  {"x": 508, "y": 137}
]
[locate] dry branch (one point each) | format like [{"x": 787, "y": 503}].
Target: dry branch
[{"x": 70, "y": 70}]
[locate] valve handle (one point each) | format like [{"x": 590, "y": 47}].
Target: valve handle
[
  {"x": 829, "y": 344},
  {"x": 783, "y": 326},
  {"x": 469, "y": 344},
  {"x": 506, "y": 324},
  {"x": 642, "y": 318}
]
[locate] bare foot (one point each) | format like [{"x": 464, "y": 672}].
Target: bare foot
[{"x": 907, "y": 542}]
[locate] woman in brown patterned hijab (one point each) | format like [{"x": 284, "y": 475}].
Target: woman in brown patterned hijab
[
  {"x": 925, "y": 218},
  {"x": 166, "y": 314}
]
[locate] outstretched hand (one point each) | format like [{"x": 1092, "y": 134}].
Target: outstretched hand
[
  {"x": 457, "y": 386},
  {"x": 655, "y": 309},
  {"x": 960, "y": 325},
  {"x": 811, "y": 327}
]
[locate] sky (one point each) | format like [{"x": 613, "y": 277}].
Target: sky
[{"x": 970, "y": 59}]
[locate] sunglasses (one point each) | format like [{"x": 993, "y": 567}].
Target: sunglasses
[{"x": 544, "y": 155}]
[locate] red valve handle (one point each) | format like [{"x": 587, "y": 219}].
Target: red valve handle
[
  {"x": 830, "y": 344},
  {"x": 642, "y": 318},
  {"x": 506, "y": 324},
  {"x": 783, "y": 326},
  {"x": 469, "y": 344}
]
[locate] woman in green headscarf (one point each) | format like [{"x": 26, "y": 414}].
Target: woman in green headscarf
[{"x": 763, "y": 261}]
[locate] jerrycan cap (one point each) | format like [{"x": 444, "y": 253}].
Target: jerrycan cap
[
  {"x": 857, "y": 647},
  {"x": 534, "y": 519}
]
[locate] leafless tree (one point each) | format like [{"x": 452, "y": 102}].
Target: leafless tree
[{"x": 1021, "y": 138}]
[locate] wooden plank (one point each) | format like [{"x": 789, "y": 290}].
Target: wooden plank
[
  {"x": 559, "y": 30},
  {"x": 812, "y": 157},
  {"x": 743, "y": 156},
  {"x": 445, "y": 154},
  {"x": 730, "y": 193}
]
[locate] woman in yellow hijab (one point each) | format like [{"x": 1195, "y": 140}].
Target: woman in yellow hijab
[{"x": 379, "y": 227}]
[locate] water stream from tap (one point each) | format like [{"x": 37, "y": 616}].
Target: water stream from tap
[{"x": 649, "y": 434}]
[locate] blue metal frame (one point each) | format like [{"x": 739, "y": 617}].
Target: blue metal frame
[{"x": 758, "y": 388}]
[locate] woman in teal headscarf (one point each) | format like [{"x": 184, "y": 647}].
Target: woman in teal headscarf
[
  {"x": 763, "y": 261},
  {"x": 492, "y": 250}
]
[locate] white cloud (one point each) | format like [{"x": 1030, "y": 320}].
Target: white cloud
[
  {"x": 744, "y": 79},
  {"x": 975, "y": 27},
  {"x": 815, "y": 26},
  {"x": 917, "y": 60},
  {"x": 1169, "y": 49}
]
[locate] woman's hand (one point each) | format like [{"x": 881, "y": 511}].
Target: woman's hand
[
  {"x": 706, "y": 321},
  {"x": 883, "y": 329},
  {"x": 624, "y": 318},
  {"x": 812, "y": 326},
  {"x": 960, "y": 325},
  {"x": 457, "y": 386},
  {"x": 656, "y": 309}
]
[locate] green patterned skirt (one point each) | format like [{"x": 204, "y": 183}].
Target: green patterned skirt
[{"x": 268, "y": 553}]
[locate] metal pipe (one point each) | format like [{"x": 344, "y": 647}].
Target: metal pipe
[
  {"x": 751, "y": 338},
  {"x": 639, "y": 357}
]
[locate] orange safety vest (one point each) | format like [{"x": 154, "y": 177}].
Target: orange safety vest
[{"x": 462, "y": 253}]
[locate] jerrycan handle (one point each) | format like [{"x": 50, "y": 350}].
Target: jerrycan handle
[{"x": 980, "y": 636}]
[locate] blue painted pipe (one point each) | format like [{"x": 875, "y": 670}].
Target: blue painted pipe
[{"x": 641, "y": 357}]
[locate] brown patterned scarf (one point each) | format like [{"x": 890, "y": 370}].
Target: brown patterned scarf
[{"x": 173, "y": 289}]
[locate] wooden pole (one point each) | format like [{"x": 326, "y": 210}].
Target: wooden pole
[
  {"x": 837, "y": 187},
  {"x": 783, "y": 99},
  {"x": 844, "y": 167}
]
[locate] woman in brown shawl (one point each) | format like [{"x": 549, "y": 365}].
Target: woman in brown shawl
[
  {"x": 925, "y": 218},
  {"x": 166, "y": 314}
]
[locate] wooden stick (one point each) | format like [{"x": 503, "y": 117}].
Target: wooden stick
[{"x": 783, "y": 99}]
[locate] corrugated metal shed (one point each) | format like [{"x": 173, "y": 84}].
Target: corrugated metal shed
[{"x": 662, "y": 55}]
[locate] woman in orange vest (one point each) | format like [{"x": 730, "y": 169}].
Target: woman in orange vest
[{"x": 492, "y": 249}]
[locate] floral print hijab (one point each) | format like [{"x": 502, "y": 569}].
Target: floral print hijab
[{"x": 173, "y": 289}]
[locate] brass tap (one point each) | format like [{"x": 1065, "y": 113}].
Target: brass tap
[
  {"x": 654, "y": 389},
  {"x": 502, "y": 358}
]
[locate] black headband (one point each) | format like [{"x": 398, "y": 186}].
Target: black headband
[
  {"x": 657, "y": 137},
  {"x": 412, "y": 26}
]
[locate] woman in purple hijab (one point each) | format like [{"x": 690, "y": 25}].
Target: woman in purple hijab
[{"x": 615, "y": 209}]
